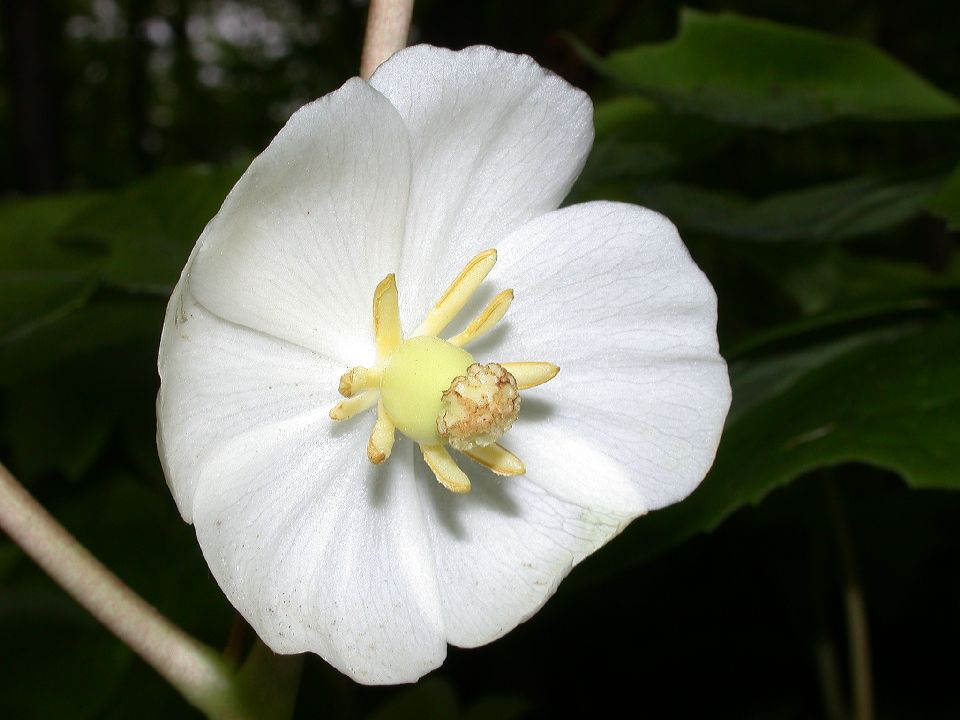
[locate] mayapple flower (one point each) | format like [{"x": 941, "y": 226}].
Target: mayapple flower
[{"x": 373, "y": 483}]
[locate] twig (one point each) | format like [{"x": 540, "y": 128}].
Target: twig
[
  {"x": 388, "y": 26},
  {"x": 188, "y": 665}
]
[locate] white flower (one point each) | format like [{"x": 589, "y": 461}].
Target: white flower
[{"x": 441, "y": 156}]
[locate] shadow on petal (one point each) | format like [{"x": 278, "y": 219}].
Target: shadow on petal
[
  {"x": 487, "y": 348},
  {"x": 533, "y": 409},
  {"x": 488, "y": 491},
  {"x": 378, "y": 477}
]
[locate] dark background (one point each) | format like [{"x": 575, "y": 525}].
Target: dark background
[{"x": 130, "y": 121}]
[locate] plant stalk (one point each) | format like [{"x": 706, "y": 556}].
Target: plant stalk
[
  {"x": 855, "y": 609},
  {"x": 388, "y": 27},
  {"x": 195, "y": 670}
]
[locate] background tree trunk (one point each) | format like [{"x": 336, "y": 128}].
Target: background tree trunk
[{"x": 32, "y": 37}]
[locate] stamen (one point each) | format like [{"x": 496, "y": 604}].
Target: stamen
[
  {"x": 497, "y": 458},
  {"x": 358, "y": 379},
  {"x": 386, "y": 317},
  {"x": 433, "y": 391},
  {"x": 381, "y": 438},
  {"x": 485, "y": 321},
  {"x": 445, "y": 468},
  {"x": 531, "y": 374},
  {"x": 457, "y": 295},
  {"x": 351, "y": 406}
]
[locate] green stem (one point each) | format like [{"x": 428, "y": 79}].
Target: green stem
[
  {"x": 194, "y": 669},
  {"x": 828, "y": 674},
  {"x": 858, "y": 631}
]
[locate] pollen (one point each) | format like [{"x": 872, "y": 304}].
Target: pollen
[
  {"x": 433, "y": 391},
  {"x": 478, "y": 407}
]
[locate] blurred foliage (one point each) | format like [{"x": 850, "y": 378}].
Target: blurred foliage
[
  {"x": 946, "y": 201},
  {"x": 812, "y": 170},
  {"x": 761, "y": 74}
]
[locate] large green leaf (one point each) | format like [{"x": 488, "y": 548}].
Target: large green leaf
[
  {"x": 150, "y": 227},
  {"x": 760, "y": 73},
  {"x": 829, "y": 283},
  {"x": 67, "y": 386},
  {"x": 834, "y": 211},
  {"x": 42, "y": 278},
  {"x": 893, "y": 402},
  {"x": 635, "y": 139},
  {"x": 888, "y": 398},
  {"x": 54, "y": 252}
]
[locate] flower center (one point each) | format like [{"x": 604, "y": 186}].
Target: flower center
[{"x": 433, "y": 391}]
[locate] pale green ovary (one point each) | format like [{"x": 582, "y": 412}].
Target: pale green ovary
[{"x": 414, "y": 379}]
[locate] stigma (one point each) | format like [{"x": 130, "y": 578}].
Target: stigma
[{"x": 433, "y": 391}]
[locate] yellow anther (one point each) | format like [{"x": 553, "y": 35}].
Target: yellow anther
[
  {"x": 358, "y": 379},
  {"x": 386, "y": 317},
  {"x": 351, "y": 406},
  {"x": 531, "y": 374},
  {"x": 445, "y": 468},
  {"x": 497, "y": 458},
  {"x": 381, "y": 438},
  {"x": 458, "y": 294},
  {"x": 485, "y": 321}
]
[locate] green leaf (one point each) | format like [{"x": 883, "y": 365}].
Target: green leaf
[
  {"x": 760, "y": 73},
  {"x": 835, "y": 211},
  {"x": 150, "y": 227},
  {"x": 70, "y": 384},
  {"x": 636, "y": 139},
  {"x": 55, "y": 252},
  {"x": 56, "y": 424},
  {"x": 851, "y": 285},
  {"x": 888, "y": 398},
  {"x": 42, "y": 278},
  {"x": 945, "y": 203}
]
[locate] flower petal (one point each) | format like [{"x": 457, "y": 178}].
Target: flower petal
[
  {"x": 495, "y": 140},
  {"x": 220, "y": 380},
  {"x": 323, "y": 552},
  {"x": 501, "y": 550},
  {"x": 313, "y": 225},
  {"x": 608, "y": 292}
]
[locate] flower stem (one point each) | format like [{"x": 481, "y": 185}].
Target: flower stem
[
  {"x": 191, "y": 667},
  {"x": 388, "y": 26},
  {"x": 858, "y": 632}
]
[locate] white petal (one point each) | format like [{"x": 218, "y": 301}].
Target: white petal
[
  {"x": 502, "y": 549},
  {"x": 323, "y": 552},
  {"x": 495, "y": 140},
  {"x": 608, "y": 292},
  {"x": 313, "y": 225},
  {"x": 220, "y": 380}
]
